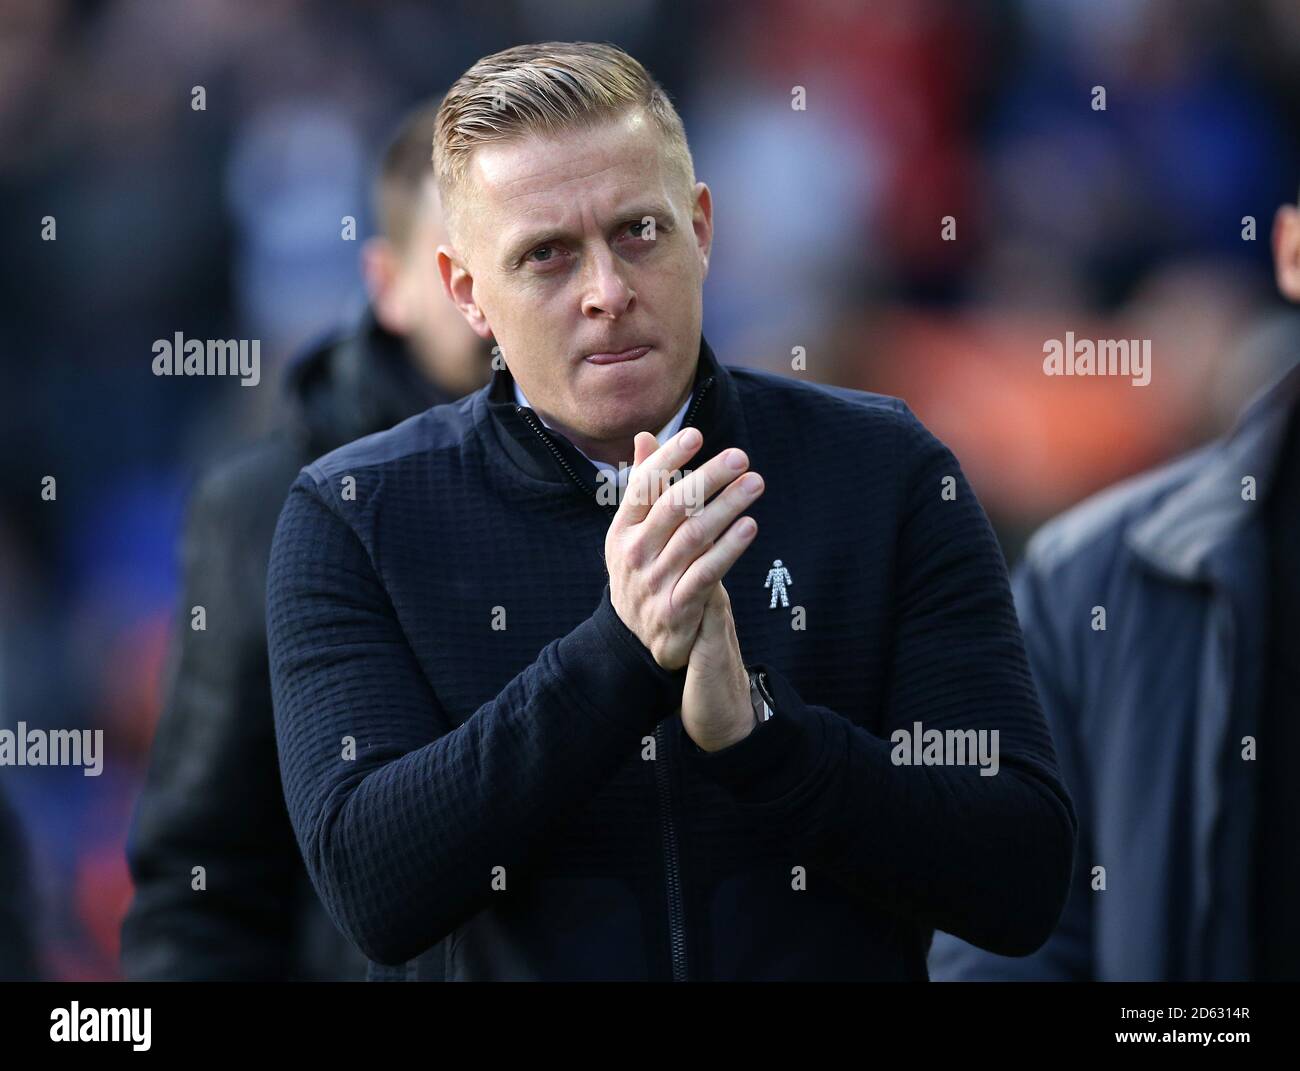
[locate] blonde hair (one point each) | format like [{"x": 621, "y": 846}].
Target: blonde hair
[{"x": 545, "y": 88}]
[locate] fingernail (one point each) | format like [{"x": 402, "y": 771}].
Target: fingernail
[
  {"x": 690, "y": 438},
  {"x": 752, "y": 482},
  {"x": 735, "y": 459}
]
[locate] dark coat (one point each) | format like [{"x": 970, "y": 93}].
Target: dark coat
[
  {"x": 18, "y": 956},
  {"x": 1148, "y": 715},
  {"x": 212, "y": 797},
  {"x": 486, "y": 769}
]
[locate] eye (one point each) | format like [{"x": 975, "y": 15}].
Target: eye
[
  {"x": 539, "y": 249},
  {"x": 637, "y": 227}
]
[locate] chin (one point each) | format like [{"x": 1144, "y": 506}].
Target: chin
[{"x": 621, "y": 399}]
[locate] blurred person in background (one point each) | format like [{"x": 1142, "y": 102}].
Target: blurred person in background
[
  {"x": 212, "y": 797},
  {"x": 17, "y": 903},
  {"x": 1177, "y": 723}
]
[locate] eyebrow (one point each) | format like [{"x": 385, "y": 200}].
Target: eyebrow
[{"x": 525, "y": 242}]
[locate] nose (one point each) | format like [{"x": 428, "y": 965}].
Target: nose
[{"x": 605, "y": 291}]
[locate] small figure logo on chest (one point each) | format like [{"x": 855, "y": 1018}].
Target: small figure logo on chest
[{"x": 778, "y": 579}]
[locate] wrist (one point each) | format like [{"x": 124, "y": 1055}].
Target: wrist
[{"x": 756, "y": 709}]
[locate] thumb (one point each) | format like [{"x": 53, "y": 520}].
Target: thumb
[
  {"x": 708, "y": 651},
  {"x": 643, "y": 446},
  {"x": 714, "y": 609}
]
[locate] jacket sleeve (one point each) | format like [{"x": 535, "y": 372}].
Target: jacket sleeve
[
  {"x": 212, "y": 794},
  {"x": 402, "y": 840},
  {"x": 987, "y": 858},
  {"x": 1067, "y": 954}
]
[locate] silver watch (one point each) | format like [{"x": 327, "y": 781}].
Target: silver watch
[{"x": 759, "y": 696}]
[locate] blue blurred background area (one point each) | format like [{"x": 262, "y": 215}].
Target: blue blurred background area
[{"x": 224, "y": 222}]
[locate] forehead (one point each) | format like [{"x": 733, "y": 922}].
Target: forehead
[{"x": 522, "y": 177}]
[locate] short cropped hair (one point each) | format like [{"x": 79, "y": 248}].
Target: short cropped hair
[
  {"x": 545, "y": 88},
  {"x": 405, "y": 174}
]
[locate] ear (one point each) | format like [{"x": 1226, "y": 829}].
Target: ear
[
  {"x": 1286, "y": 251},
  {"x": 380, "y": 268},
  {"x": 702, "y": 223},
  {"x": 459, "y": 285}
]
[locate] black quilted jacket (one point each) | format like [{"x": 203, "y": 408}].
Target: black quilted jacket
[{"x": 486, "y": 769}]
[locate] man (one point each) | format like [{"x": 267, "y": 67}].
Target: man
[
  {"x": 213, "y": 795},
  {"x": 19, "y": 961},
  {"x": 517, "y": 734},
  {"x": 1177, "y": 724}
]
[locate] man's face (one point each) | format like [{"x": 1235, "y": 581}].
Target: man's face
[{"x": 555, "y": 263}]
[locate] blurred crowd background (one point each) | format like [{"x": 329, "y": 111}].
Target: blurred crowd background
[{"x": 225, "y": 223}]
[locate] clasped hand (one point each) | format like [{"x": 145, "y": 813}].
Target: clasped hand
[{"x": 668, "y": 547}]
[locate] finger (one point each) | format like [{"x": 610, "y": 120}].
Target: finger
[
  {"x": 688, "y": 495},
  {"x": 711, "y": 566},
  {"x": 643, "y": 446},
  {"x": 647, "y": 481},
  {"x": 699, "y": 530}
]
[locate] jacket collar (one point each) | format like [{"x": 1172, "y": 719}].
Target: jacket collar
[
  {"x": 354, "y": 382},
  {"x": 1192, "y": 529},
  {"x": 546, "y": 455}
]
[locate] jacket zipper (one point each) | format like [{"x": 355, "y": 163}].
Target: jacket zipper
[
  {"x": 663, "y": 779},
  {"x": 672, "y": 866},
  {"x": 559, "y": 457},
  {"x": 563, "y": 461}
]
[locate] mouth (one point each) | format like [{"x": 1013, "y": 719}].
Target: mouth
[{"x": 617, "y": 358}]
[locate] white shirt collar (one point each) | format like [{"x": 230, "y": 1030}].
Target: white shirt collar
[{"x": 620, "y": 472}]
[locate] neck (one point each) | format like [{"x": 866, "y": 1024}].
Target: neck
[
  {"x": 619, "y": 449},
  {"x": 457, "y": 371},
  {"x": 611, "y": 451}
]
